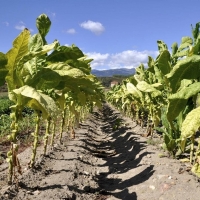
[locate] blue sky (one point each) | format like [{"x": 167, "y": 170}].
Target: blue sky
[{"x": 115, "y": 33}]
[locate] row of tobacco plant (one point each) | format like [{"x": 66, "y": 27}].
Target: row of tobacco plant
[
  {"x": 53, "y": 80},
  {"x": 165, "y": 96}
]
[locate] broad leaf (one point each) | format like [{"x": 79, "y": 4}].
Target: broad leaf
[
  {"x": 64, "y": 53},
  {"x": 188, "y": 68},
  {"x": 191, "y": 124},
  {"x": 43, "y": 24},
  {"x": 178, "y": 101},
  {"x": 185, "y": 43},
  {"x": 35, "y": 43},
  {"x": 19, "y": 49},
  {"x": 37, "y": 101},
  {"x": 145, "y": 87},
  {"x": 63, "y": 69},
  {"x": 133, "y": 90},
  {"x": 161, "y": 46},
  {"x": 174, "y": 48},
  {"x": 164, "y": 62},
  {"x": 30, "y": 55}
]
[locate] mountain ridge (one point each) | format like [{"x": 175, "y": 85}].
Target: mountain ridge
[{"x": 111, "y": 72}]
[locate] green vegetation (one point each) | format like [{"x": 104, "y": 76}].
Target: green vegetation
[
  {"x": 5, "y": 104},
  {"x": 50, "y": 83},
  {"x": 51, "y": 86},
  {"x": 165, "y": 96}
]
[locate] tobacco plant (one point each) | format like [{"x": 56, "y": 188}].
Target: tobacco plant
[
  {"x": 169, "y": 93},
  {"x": 36, "y": 68}
]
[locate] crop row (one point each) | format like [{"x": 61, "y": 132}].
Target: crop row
[
  {"x": 165, "y": 96},
  {"x": 54, "y": 81}
]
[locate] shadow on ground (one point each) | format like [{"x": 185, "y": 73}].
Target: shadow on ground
[{"x": 127, "y": 156}]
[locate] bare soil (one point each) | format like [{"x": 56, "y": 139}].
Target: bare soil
[{"x": 103, "y": 163}]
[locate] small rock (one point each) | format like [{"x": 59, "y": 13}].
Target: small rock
[
  {"x": 80, "y": 157},
  {"x": 86, "y": 173},
  {"x": 161, "y": 176},
  {"x": 29, "y": 192},
  {"x": 36, "y": 192},
  {"x": 152, "y": 187},
  {"x": 97, "y": 173}
]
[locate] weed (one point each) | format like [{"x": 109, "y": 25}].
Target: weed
[{"x": 153, "y": 142}]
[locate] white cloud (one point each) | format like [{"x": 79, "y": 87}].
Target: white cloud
[
  {"x": 71, "y": 31},
  {"x": 6, "y": 23},
  {"x": 21, "y": 26},
  {"x": 95, "y": 27},
  {"x": 125, "y": 59},
  {"x": 99, "y": 60}
]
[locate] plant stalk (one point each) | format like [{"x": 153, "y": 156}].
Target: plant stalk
[
  {"x": 62, "y": 123},
  {"x": 46, "y": 137},
  {"x": 35, "y": 143},
  {"x": 53, "y": 133}
]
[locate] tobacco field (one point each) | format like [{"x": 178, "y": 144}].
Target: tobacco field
[{"x": 138, "y": 140}]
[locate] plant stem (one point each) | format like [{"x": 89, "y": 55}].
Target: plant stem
[
  {"x": 46, "y": 135},
  {"x": 62, "y": 123},
  {"x": 53, "y": 133},
  {"x": 192, "y": 149},
  {"x": 35, "y": 143},
  {"x": 10, "y": 154}
]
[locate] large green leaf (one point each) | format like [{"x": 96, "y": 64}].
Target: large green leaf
[
  {"x": 133, "y": 90},
  {"x": 161, "y": 46},
  {"x": 174, "y": 48},
  {"x": 32, "y": 54},
  {"x": 64, "y": 53},
  {"x": 82, "y": 65},
  {"x": 158, "y": 75},
  {"x": 32, "y": 71},
  {"x": 195, "y": 31},
  {"x": 43, "y": 24},
  {"x": 19, "y": 49},
  {"x": 184, "y": 48},
  {"x": 178, "y": 101},
  {"x": 191, "y": 123},
  {"x": 35, "y": 43},
  {"x": 188, "y": 68},
  {"x": 185, "y": 83},
  {"x": 163, "y": 62},
  {"x": 63, "y": 69},
  {"x": 185, "y": 43},
  {"x": 145, "y": 87},
  {"x": 37, "y": 101}
]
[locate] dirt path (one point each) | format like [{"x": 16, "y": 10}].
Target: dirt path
[{"x": 102, "y": 163}]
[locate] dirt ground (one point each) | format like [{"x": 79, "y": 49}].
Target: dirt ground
[{"x": 103, "y": 164}]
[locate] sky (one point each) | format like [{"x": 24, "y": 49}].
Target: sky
[{"x": 115, "y": 33}]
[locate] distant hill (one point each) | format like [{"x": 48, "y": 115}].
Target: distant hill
[{"x": 111, "y": 72}]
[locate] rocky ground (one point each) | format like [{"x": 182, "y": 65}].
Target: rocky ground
[{"x": 103, "y": 163}]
